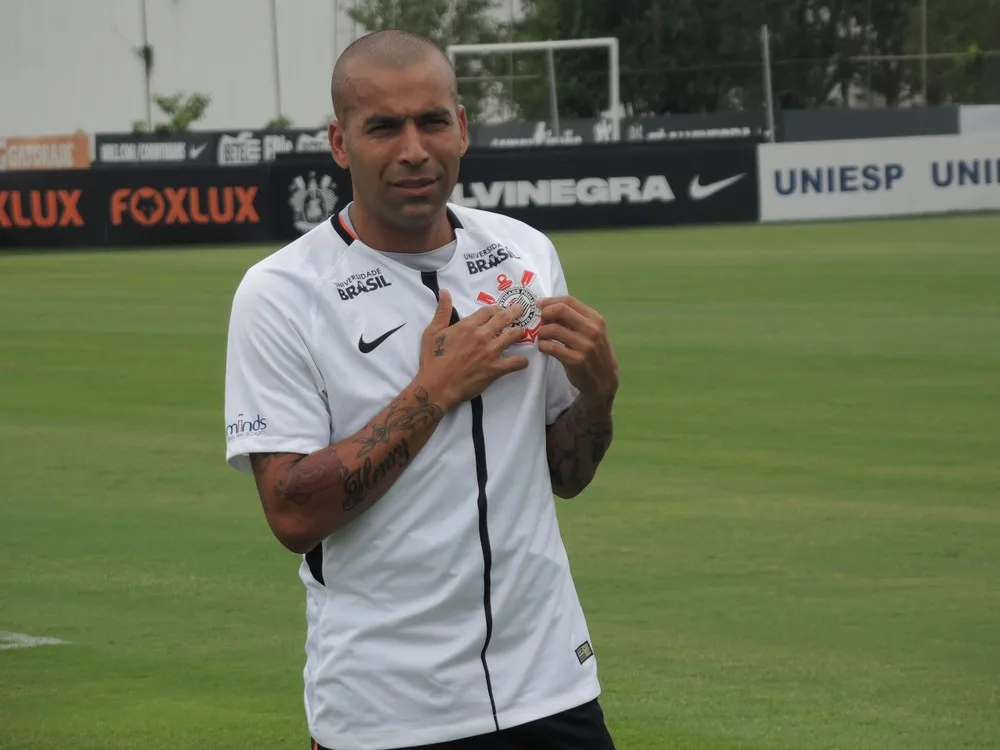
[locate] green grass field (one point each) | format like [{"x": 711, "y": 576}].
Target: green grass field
[{"x": 793, "y": 543}]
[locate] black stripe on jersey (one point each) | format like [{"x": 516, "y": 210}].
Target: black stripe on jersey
[
  {"x": 339, "y": 229},
  {"x": 314, "y": 559},
  {"x": 479, "y": 444}
]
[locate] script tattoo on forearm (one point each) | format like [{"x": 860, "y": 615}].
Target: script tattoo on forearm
[
  {"x": 363, "y": 479},
  {"x": 575, "y": 445},
  {"x": 399, "y": 419}
]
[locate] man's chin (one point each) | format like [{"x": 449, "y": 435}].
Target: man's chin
[{"x": 419, "y": 213}]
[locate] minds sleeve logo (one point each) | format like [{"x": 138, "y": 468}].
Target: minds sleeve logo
[{"x": 244, "y": 428}]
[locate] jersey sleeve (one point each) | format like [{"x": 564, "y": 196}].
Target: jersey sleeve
[
  {"x": 274, "y": 398},
  {"x": 559, "y": 392}
]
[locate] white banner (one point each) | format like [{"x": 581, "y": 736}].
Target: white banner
[{"x": 879, "y": 177}]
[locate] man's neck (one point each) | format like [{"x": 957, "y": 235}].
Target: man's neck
[{"x": 391, "y": 239}]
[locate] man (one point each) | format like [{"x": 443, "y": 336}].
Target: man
[{"x": 410, "y": 384}]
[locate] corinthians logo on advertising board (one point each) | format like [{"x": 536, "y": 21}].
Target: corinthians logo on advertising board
[{"x": 312, "y": 201}]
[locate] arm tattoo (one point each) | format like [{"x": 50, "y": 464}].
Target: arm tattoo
[
  {"x": 575, "y": 446},
  {"x": 306, "y": 481},
  {"x": 360, "y": 481},
  {"x": 297, "y": 481},
  {"x": 439, "y": 340},
  {"x": 312, "y": 474},
  {"x": 399, "y": 419}
]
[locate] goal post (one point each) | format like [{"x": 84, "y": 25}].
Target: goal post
[{"x": 610, "y": 43}]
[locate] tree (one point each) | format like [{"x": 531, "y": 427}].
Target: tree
[
  {"x": 278, "y": 123},
  {"x": 180, "y": 110},
  {"x": 705, "y": 55},
  {"x": 444, "y": 22},
  {"x": 969, "y": 27},
  {"x": 676, "y": 56}
]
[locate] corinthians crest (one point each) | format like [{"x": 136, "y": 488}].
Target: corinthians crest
[
  {"x": 313, "y": 202},
  {"x": 508, "y": 292}
]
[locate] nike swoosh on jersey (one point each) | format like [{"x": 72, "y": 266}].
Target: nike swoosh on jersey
[
  {"x": 368, "y": 346},
  {"x": 700, "y": 192}
]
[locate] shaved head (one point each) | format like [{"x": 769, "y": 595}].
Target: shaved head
[{"x": 392, "y": 49}]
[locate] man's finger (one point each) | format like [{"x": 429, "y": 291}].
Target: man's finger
[
  {"x": 505, "y": 316},
  {"x": 442, "y": 314},
  {"x": 569, "y": 357},
  {"x": 483, "y": 315},
  {"x": 509, "y": 337},
  {"x": 564, "y": 314},
  {"x": 511, "y": 364},
  {"x": 572, "y": 302},
  {"x": 556, "y": 332}
]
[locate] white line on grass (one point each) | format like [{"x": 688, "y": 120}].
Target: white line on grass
[{"x": 10, "y": 641}]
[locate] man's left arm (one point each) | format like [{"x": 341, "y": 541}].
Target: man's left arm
[{"x": 577, "y": 336}]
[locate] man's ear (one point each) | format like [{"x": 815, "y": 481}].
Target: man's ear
[
  {"x": 337, "y": 146},
  {"x": 463, "y": 124}
]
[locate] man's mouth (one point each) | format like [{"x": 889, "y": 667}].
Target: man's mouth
[{"x": 415, "y": 182}]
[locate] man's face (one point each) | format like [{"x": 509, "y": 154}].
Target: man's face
[{"x": 402, "y": 139}]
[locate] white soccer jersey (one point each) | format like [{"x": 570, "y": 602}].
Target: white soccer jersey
[{"x": 447, "y": 609}]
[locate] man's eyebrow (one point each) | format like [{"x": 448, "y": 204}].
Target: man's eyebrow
[
  {"x": 391, "y": 120},
  {"x": 396, "y": 120},
  {"x": 432, "y": 114}
]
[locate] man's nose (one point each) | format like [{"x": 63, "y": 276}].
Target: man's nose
[{"x": 412, "y": 149}]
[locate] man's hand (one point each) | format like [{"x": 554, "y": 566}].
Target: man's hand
[
  {"x": 458, "y": 362},
  {"x": 577, "y": 336}
]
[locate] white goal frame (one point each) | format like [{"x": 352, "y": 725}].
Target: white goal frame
[{"x": 610, "y": 42}]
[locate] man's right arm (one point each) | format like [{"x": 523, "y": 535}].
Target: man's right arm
[{"x": 308, "y": 497}]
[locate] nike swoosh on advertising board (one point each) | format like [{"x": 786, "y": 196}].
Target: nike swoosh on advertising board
[
  {"x": 368, "y": 346},
  {"x": 195, "y": 151},
  {"x": 700, "y": 192}
]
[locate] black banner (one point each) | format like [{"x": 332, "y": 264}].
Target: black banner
[
  {"x": 225, "y": 148},
  {"x": 50, "y": 209},
  {"x": 204, "y": 204},
  {"x": 254, "y": 147},
  {"x": 101, "y": 208},
  {"x": 611, "y": 186},
  {"x": 248, "y": 147},
  {"x": 127, "y": 150},
  {"x": 715, "y": 126},
  {"x": 857, "y": 124},
  {"x": 559, "y": 188}
]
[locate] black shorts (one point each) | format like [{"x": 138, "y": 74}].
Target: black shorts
[{"x": 580, "y": 728}]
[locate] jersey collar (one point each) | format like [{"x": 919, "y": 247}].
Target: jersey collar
[{"x": 349, "y": 238}]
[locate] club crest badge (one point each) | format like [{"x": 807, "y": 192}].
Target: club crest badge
[{"x": 508, "y": 292}]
